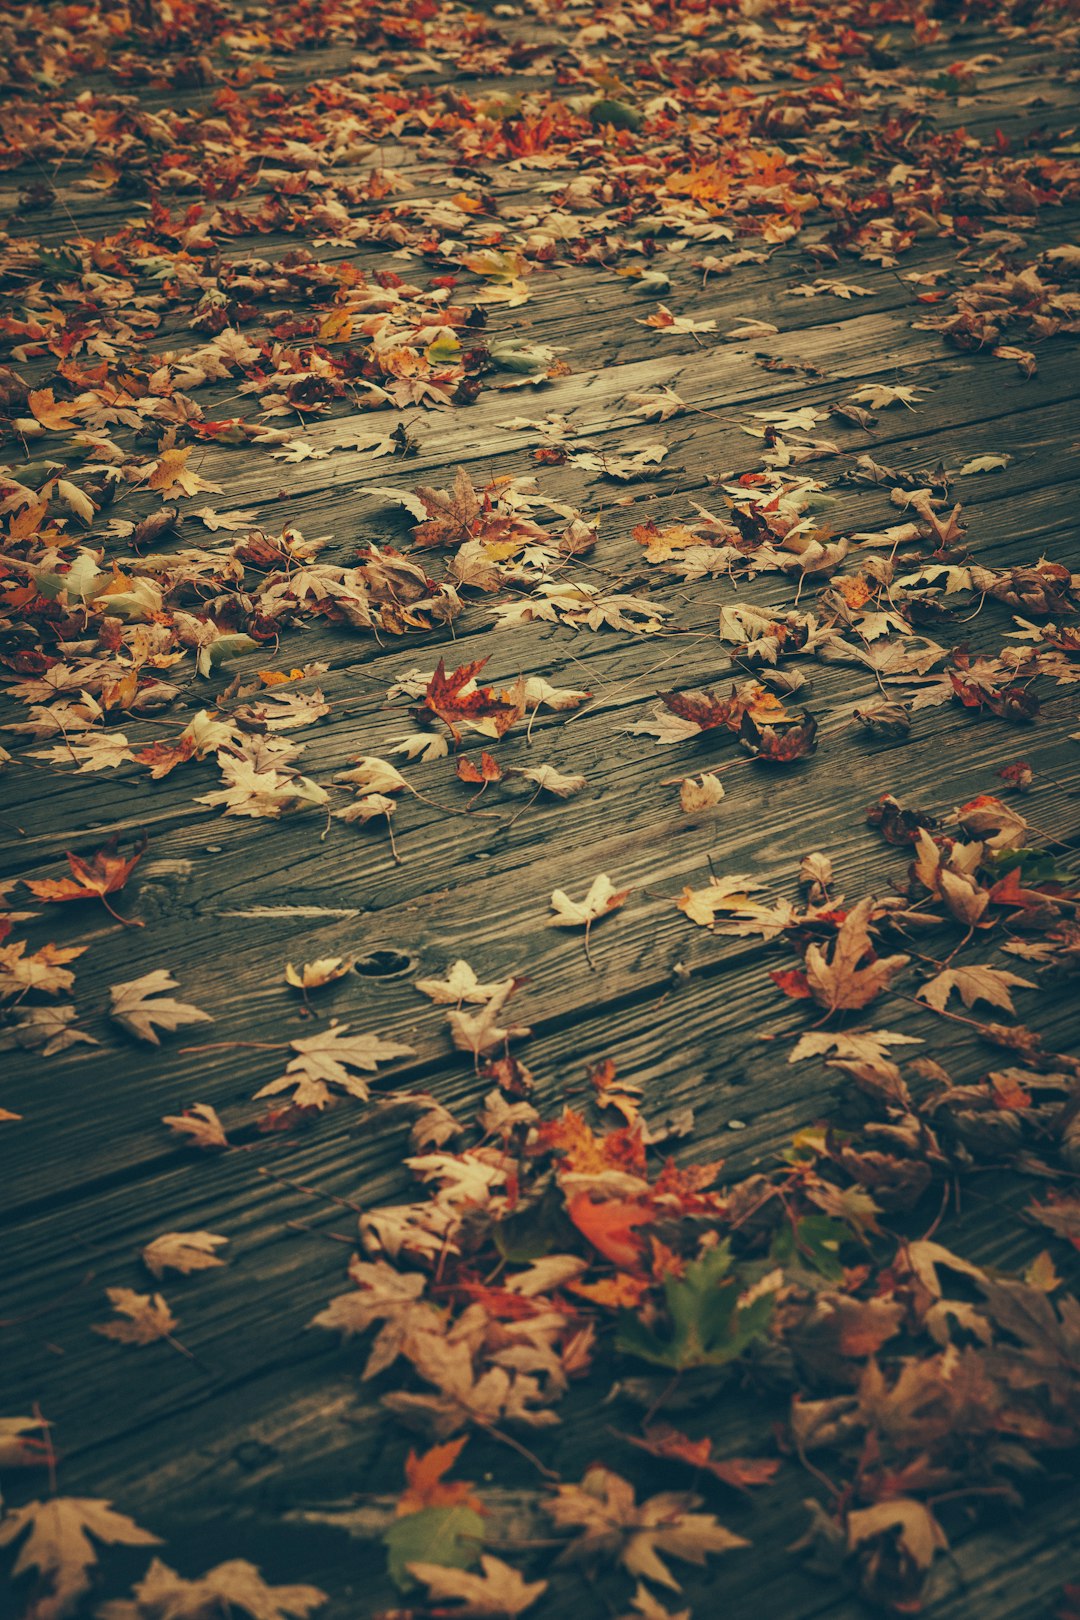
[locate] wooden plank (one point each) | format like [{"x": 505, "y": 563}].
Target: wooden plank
[{"x": 269, "y": 1422}]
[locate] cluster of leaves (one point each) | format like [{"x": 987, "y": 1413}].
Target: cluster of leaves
[{"x": 234, "y": 305}]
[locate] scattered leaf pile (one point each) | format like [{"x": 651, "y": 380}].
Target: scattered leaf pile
[{"x": 277, "y": 280}]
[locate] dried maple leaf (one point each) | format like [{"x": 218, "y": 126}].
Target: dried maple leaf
[
  {"x": 200, "y": 1124},
  {"x": 464, "y": 1396},
  {"x": 602, "y": 899},
  {"x": 853, "y": 976},
  {"x": 104, "y": 873},
  {"x": 60, "y": 1549},
  {"x": 973, "y": 984},
  {"x": 328, "y": 1059},
  {"x": 720, "y": 894},
  {"x": 43, "y": 970},
  {"x": 148, "y": 1318},
  {"x": 426, "y": 1486},
  {"x": 539, "y": 694},
  {"x": 615, "y": 1527},
  {"x": 548, "y": 779},
  {"x": 313, "y": 975},
  {"x": 707, "y": 709},
  {"x": 488, "y": 770},
  {"x": 227, "y": 1589},
  {"x": 480, "y": 1033},
  {"x": 897, "y": 1540},
  {"x": 700, "y": 793},
  {"x": 852, "y": 1046},
  {"x": 140, "y": 1005},
  {"x": 461, "y": 984},
  {"x": 384, "y": 1295},
  {"x": 498, "y": 1592},
  {"x": 183, "y": 1251},
  {"x": 458, "y": 701},
  {"x": 669, "y": 1444},
  {"x": 647, "y": 1607},
  {"x": 249, "y": 791},
  {"x": 779, "y": 745}
]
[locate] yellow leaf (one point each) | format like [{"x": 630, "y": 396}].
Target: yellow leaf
[{"x": 337, "y": 327}]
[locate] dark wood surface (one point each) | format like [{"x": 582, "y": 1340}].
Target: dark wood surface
[{"x": 264, "y": 1444}]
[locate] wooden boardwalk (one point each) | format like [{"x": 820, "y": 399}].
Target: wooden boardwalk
[{"x": 261, "y": 1442}]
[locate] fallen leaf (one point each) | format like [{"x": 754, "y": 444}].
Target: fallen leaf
[
  {"x": 183, "y": 1251},
  {"x": 141, "y": 1007}
]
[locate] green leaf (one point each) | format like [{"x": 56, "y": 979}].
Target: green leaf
[
  {"x": 1034, "y": 865},
  {"x": 513, "y": 354},
  {"x": 445, "y": 349},
  {"x": 815, "y": 1242},
  {"x": 452, "y": 1536},
  {"x": 619, "y": 114},
  {"x": 707, "y": 1327}
]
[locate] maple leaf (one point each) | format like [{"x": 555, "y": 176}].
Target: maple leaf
[
  {"x": 200, "y": 1124},
  {"x": 661, "y": 404},
  {"x": 602, "y": 898},
  {"x": 426, "y": 1486},
  {"x": 60, "y": 1549},
  {"x": 458, "y": 701},
  {"x": 709, "y": 1324},
  {"x": 148, "y": 1318},
  {"x": 171, "y": 476},
  {"x": 97, "y": 752},
  {"x": 700, "y": 793},
  {"x": 183, "y": 1251},
  {"x": 647, "y": 1607},
  {"x": 541, "y": 694},
  {"x": 313, "y": 975},
  {"x": 550, "y": 780},
  {"x": 103, "y": 874},
  {"x": 328, "y": 1059},
  {"x": 447, "y": 1537},
  {"x": 45, "y": 1030},
  {"x": 421, "y": 745},
  {"x": 235, "y": 1586},
  {"x": 664, "y": 320},
  {"x": 385, "y": 1295},
  {"x": 840, "y": 981},
  {"x": 494, "y": 1396},
  {"x": 853, "y": 1045},
  {"x": 43, "y": 970},
  {"x": 249, "y": 791},
  {"x": 499, "y": 1591},
  {"x": 880, "y": 396},
  {"x": 610, "y": 1224},
  {"x": 461, "y": 984},
  {"x": 779, "y": 745},
  {"x": 973, "y": 984},
  {"x": 141, "y": 1004},
  {"x": 480, "y": 1033},
  {"x": 668, "y": 1444},
  {"x": 898, "y": 1539},
  {"x": 51, "y": 412},
  {"x": 488, "y": 770},
  {"x": 721, "y": 894},
  {"x": 615, "y": 1527}
]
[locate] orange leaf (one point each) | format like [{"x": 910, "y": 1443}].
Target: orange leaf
[
  {"x": 104, "y": 873},
  {"x": 609, "y": 1226},
  {"x": 426, "y": 1486}
]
